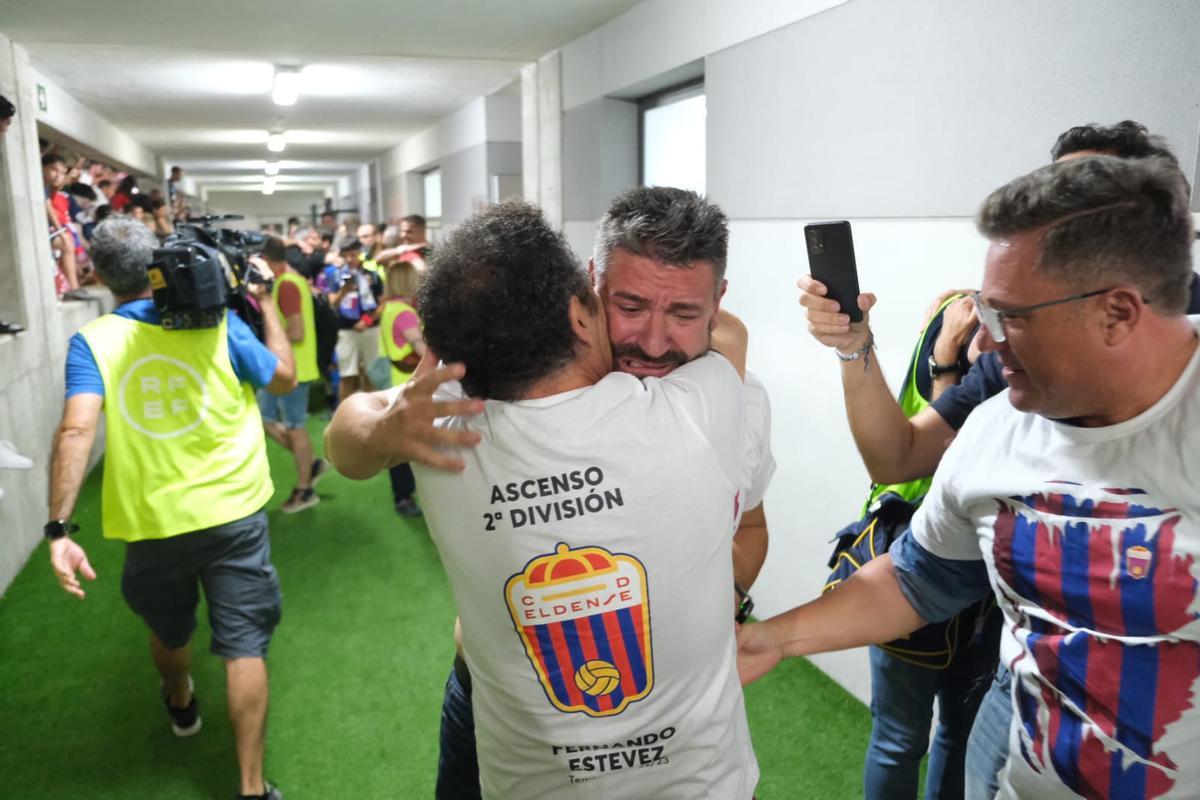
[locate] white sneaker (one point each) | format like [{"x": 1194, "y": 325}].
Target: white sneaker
[{"x": 11, "y": 459}]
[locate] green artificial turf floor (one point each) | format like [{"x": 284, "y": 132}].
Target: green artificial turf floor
[{"x": 357, "y": 668}]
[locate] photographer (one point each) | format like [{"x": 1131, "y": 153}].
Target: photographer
[
  {"x": 185, "y": 481},
  {"x": 355, "y": 293}
]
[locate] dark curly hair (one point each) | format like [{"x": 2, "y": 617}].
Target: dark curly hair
[
  {"x": 1126, "y": 139},
  {"x": 496, "y": 297}
]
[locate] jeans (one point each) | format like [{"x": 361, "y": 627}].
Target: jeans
[
  {"x": 987, "y": 750},
  {"x": 290, "y": 409},
  {"x": 458, "y": 762},
  {"x": 902, "y": 709}
]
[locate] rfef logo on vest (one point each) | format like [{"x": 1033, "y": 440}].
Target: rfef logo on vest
[{"x": 162, "y": 397}]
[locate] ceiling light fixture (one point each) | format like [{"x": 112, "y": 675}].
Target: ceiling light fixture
[
  {"x": 272, "y": 167},
  {"x": 276, "y": 142},
  {"x": 287, "y": 86},
  {"x": 268, "y": 186}
]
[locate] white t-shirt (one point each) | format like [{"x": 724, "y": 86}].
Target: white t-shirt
[
  {"x": 588, "y": 544},
  {"x": 758, "y": 463},
  {"x": 1091, "y": 538}
]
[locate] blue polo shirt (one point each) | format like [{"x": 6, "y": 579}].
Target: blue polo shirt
[{"x": 252, "y": 362}]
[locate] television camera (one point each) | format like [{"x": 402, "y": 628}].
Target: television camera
[{"x": 201, "y": 270}]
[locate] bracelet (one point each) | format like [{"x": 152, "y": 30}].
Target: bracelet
[{"x": 862, "y": 352}]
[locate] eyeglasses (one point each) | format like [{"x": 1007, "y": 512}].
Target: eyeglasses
[{"x": 993, "y": 318}]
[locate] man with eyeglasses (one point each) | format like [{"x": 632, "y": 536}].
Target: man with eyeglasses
[
  {"x": 896, "y": 448},
  {"x": 1073, "y": 494}
]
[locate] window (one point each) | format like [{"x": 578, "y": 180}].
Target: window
[
  {"x": 432, "y": 183},
  {"x": 673, "y": 138}
]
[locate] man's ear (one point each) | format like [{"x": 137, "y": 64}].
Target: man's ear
[
  {"x": 581, "y": 320},
  {"x": 588, "y": 324},
  {"x": 592, "y": 274},
  {"x": 721, "y": 287},
  {"x": 1123, "y": 308}
]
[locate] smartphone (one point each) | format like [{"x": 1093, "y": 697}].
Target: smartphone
[{"x": 831, "y": 261}]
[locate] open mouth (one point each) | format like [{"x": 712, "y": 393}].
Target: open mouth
[{"x": 645, "y": 368}]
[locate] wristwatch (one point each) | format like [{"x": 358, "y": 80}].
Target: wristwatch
[
  {"x": 745, "y": 604},
  {"x": 58, "y": 528},
  {"x": 937, "y": 370}
]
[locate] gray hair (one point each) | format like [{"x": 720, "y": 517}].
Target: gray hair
[
  {"x": 672, "y": 226},
  {"x": 122, "y": 248},
  {"x": 1103, "y": 220}
]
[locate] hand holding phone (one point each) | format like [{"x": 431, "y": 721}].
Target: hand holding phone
[{"x": 831, "y": 261}]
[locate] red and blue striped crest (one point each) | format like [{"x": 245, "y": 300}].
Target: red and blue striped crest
[{"x": 583, "y": 616}]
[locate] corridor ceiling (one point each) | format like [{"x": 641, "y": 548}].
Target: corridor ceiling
[{"x": 192, "y": 80}]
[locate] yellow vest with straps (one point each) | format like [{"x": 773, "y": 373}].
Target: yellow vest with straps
[
  {"x": 392, "y": 309},
  {"x": 371, "y": 265},
  {"x": 911, "y": 403},
  {"x": 185, "y": 448},
  {"x": 305, "y": 351}
]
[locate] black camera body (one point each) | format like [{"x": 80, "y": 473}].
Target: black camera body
[{"x": 200, "y": 271}]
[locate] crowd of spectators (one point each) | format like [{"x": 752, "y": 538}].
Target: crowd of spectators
[{"x": 80, "y": 193}]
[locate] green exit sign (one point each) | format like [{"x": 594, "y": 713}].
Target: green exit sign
[{"x": 41, "y": 91}]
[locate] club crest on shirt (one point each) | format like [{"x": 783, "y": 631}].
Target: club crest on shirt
[
  {"x": 583, "y": 617},
  {"x": 1137, "y": 562}
]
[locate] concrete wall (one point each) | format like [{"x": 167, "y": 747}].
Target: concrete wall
[
  {"x": 31, "y": 363},
  {"x": 73, "y": 119},
  {"x": 897, "y": 116},
  {"x": 480, "y": 139},
  {"x": 969, "y": 94}
]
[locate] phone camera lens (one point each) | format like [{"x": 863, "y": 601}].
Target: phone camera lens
[{"x": 816, "y": 243}]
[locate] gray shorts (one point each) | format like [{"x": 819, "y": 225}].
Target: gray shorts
[{"x": 162, "y": 578}]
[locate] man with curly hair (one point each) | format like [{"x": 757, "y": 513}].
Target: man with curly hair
[{"x": 587, "y": 537}]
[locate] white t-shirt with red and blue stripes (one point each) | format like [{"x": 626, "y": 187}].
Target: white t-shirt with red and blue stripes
[{"x": 1091, "y": 538}]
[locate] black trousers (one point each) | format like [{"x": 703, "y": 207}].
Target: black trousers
[{"x": 403, "y": 482}]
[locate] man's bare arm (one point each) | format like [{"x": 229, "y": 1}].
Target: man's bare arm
[
  {"x": 370, "y": 433},
  {"x": 284, "y": 379},
  {"x": 730, "y": 339},
  {"x": 750, "y": 547},
  {"x": 893, "y": 447},
  {"x": 958, "y": 326},
  {"x": 869, "y": 608},
  {"x": 69, "y": 455},
  {"x": 295, "y": 328}
]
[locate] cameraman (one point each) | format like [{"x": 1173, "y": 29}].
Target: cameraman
[
  {"x": 355, "y": 292},
  {"x": 185, "y": 481}
]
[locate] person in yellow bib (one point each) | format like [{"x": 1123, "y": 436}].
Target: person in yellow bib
[
  {"x": 400, "y": 334},
  {"x": 284, "y": 417},
  {"x": 185, "y": 482}
]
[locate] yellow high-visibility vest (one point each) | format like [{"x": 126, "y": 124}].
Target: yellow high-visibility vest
[
  {"x": 391, "y": 309},
  {"x": 185, "y": 448},
  {"x": 305, "y": 352}
]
